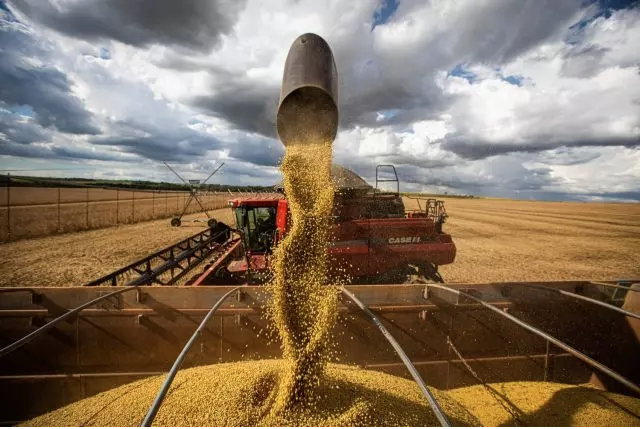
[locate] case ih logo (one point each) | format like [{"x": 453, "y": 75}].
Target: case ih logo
[{"x": 404, "y": 240}]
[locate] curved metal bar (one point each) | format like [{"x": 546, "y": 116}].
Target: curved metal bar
[
  {"x": 153, "y": 410},
  {"x": 44, "y": 328},
  {"x": 585, "y": 298},
  {"x": 442, "y": 418},
  {"x": 586, "y": 359},
  {"x": 629, "y": 288}
]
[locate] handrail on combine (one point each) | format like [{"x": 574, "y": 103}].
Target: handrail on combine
[
  {"x": 442, "y": 418},
  {"x": 616, "y": 286},
  {"x": 586, "y": 359},
  {"x": 153, "y": 410},
  {"x": 433, "y": 209},
  {"x": 41, "y": 330}
]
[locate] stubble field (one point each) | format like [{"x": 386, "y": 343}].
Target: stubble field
[
  {"x": 507, "y": 240},
  {"x": 497, "y": 240}
]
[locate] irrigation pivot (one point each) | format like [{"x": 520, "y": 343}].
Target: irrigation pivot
[{"x": 194, "y": 188}]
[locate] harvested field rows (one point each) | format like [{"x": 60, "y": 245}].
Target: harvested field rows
[
  {"x": 77, "y": 258},
  {"x": 497, "y": 240},
  {"x": 505, "y": 240},
  {"x": 38, "y": 212}
]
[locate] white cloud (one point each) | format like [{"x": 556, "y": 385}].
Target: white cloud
[{"x": 579, "y": 87}]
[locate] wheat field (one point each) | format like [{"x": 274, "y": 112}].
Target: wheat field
[{"x": 497, "y": 240}]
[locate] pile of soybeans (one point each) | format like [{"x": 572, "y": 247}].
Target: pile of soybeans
[{"x": 242, "y": 393}]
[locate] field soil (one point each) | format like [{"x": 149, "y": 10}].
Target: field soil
[
  {"x": 79, "y": 257},
  {"x": 506, "y": 240},
  {"x": 497, "y": 240}
]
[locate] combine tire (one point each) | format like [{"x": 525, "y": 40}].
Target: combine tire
[
  {"x": 175, "y": 221},
  {"x": 430, "y": 271},
  {"x": 423, "y": 274}
]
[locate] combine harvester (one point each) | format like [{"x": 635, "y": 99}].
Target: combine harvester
[{"x": 59, "y": 345}]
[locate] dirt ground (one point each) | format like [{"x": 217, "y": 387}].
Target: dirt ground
[
  {"x": 497, "y": 240},
  {"x": 507, "y": 240},
  {"x": 79, "y": 257}
]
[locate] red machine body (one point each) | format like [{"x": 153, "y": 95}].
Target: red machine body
[
  {"x": 361, "y": 247},
  {"x": 370, "y": 247}
]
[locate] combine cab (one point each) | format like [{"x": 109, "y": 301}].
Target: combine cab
[{"x": 374, "y": 239}]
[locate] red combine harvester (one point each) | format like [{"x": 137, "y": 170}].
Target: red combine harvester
[{"x": 374, "y": 239}]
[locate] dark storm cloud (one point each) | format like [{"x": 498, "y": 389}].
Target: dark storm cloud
[
  {"x": 258, "y": 151},
  {"x": 232, "y": 169},
  {"x": 20, "y": 130},
  {"x": 247, "y": 105},
  {"x": 178, "y": 143},
  {"x": 504, "y": 29},
  {"x": 84, "y": 153},
  {"x": 408, "y": 104},
  {"x": 629, "y": 195},
  {"x": 46, "y": 89},
  {"x": 566, "y": 156},
  {"x": 470, "y": 148},
  {"x": 192, "y": 24},
  {"x": 502, "y": 175},
  {"x": 421, "y": 162},
  {"x": 53, "y": 152}
]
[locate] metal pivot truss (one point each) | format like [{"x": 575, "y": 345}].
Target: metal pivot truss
[
  {"x": 194, "y": 186},
  {"x": 170, "y": 264}
]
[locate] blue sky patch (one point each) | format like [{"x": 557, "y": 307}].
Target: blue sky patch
[
  {"x": 513, "y": 80},
  {"x": 384, "y": 12},
  {"x": 461, "y": 71},
  {"x": 605, "y": 9},
  {"x": 5, "y": 12},
  {"x": 388, "y": 114},
  {"x": 105, "y": 54},
  {"x": 24, "y": 110}
]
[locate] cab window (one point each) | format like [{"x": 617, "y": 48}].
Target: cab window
[{"x": 258, "y": 225}]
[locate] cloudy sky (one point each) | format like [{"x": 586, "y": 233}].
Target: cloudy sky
[{"x": 526, "y": 99}]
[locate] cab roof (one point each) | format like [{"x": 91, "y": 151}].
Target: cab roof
[{"x": 268, "y": 201}]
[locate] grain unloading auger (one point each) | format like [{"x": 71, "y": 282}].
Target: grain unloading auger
[{"x": 58, "y": 345}]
